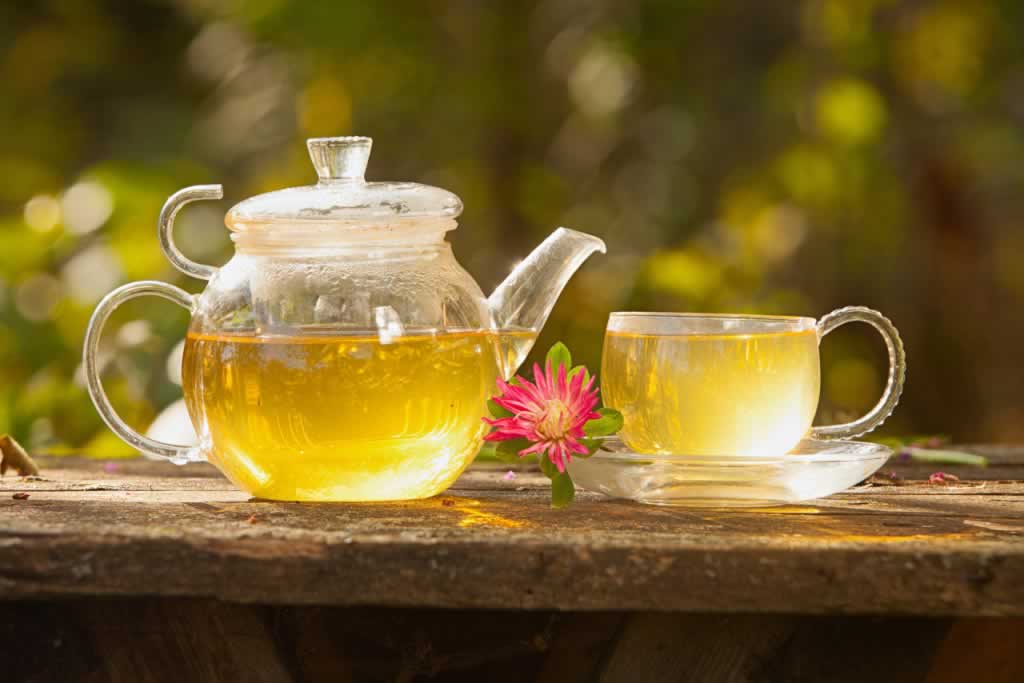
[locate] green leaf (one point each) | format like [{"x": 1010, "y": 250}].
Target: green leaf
[
  {"x": 497, "y": 411},
  {"x": 932, "y": 455},
  {"x": 577, "y": 370},
  {"x": 508, "y": 451},
  {"x": 606, "y": 425},
  {"x": 547, "y": 467},
  {"x": 559, "y": 355},
  {"x": 563, "y": 491},
  {"x": 592, "y": 445},
  {"x": 929, "y": 441},
  {"x": 486, "y": 452},
  {"x": 914, "y": 441},
  {"x": 895, "y": 443}
]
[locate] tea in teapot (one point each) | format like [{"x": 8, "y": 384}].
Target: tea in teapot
[
  {"x": 370, "y": 419},
  {"x": 342, "y": 353}
]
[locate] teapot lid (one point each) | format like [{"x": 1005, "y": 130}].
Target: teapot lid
[{"x": 342, "y": 195}]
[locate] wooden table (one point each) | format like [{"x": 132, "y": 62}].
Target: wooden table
[{"x": 132, "y": 570}]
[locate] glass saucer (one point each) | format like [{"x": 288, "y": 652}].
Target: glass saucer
[{"x": 813, "y": 469}]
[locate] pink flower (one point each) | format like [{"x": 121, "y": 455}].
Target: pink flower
[
  {"x": 549, "y": 412},
  {"x": 943, "y": 478}
]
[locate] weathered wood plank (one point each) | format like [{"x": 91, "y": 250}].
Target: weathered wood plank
[
  {"x": 155, "y": 640},
  {"x": 186, "y": 640},
  {"x": 981, "y": 649},
  {"x": 912, "y": 549},
  {"x": 684, "y": 648}
]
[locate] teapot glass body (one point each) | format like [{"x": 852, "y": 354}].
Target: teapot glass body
[
  {"x": 346, "y": 358},
  {"x": 345, "y": 373}
]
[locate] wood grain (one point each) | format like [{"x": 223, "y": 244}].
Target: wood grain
[
  {"x": 153, "y": 529},
  {"x": 153, "y": 640}
]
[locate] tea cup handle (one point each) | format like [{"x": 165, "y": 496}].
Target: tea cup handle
[
  {"x": 150, "y": 447},
  {"x": 897, "y": 371}
]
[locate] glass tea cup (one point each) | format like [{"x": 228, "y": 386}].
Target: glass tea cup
[{"x": 721, "y": 385}]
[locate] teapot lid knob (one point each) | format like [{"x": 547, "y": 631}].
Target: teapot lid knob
[
  {"x": 341, "y": 158},
  {"x": 343, "y": 197}
]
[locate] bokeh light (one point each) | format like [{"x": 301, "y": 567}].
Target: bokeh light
[{"x": 744, "y": 157}]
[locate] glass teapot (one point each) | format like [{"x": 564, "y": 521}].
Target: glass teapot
[{"x": 342, "y": 353}]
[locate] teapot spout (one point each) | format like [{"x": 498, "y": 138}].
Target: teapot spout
[{"x": 525, "y": 299}]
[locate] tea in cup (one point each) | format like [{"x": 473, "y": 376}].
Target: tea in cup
[{"x": 743, "y": 385}]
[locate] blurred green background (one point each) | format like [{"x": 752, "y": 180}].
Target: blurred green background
[{"x": 780, "y": 157}]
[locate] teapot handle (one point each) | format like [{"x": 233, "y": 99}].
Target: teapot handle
[
  {"x": 166, "y": 228},
  {"x": 90, "y": 361}
]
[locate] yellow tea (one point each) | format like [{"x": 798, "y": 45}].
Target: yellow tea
[
  {"x": 711, "y": 394},
  {"x": 513, "y": 345},
  {"x": 344, "y": 417}
]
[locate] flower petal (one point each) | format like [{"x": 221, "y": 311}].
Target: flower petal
[
  {"x": 557, "y": 454},
  {"x": 543, "y": 380},
  {"x": 531, "y": 391},
  {"x": 574, "y": 446},
  {"x": 516, "y": 402},
  {"x": 577, "y": 384}
]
